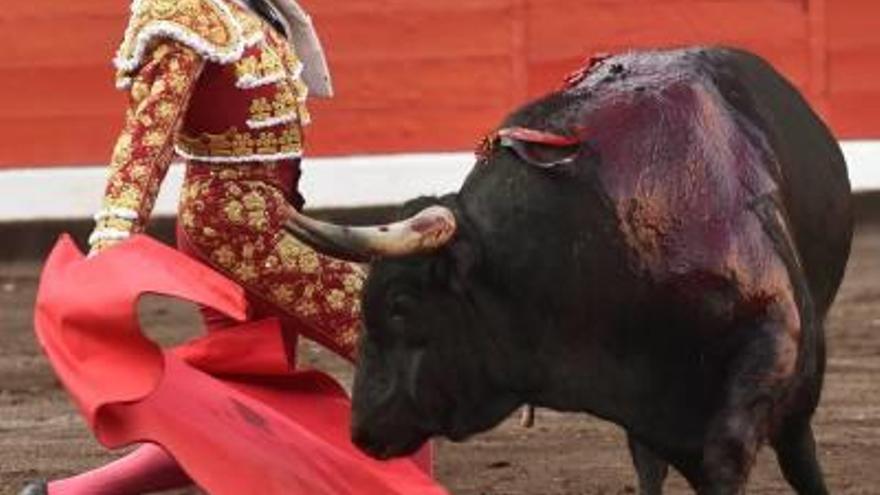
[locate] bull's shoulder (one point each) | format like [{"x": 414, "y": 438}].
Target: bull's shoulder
[
  {"x": 735, "y": 73},
  {"x": 661, "y": 122}
]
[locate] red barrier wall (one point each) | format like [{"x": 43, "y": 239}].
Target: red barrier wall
[{"x": 423, "y": 75}]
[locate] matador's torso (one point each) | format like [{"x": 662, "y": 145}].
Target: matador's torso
[
  {"x": 211, "y": 82},
  {"x": 248, "y": 103}
]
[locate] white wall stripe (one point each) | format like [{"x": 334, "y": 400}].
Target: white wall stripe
[
  {"x": 340, "y": 182},
  {"x": 863, "y": 161}
]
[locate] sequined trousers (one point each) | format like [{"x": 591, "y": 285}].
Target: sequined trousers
[{"x": 231, "y": 217}]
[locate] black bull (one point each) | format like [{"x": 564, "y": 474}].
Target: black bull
[{"x": 672, "y": 276}]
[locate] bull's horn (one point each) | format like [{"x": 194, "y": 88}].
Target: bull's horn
[{"x": 425, "y": 231}]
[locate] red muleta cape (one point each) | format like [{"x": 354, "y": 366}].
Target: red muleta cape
[{"x": 226, "y": 406}]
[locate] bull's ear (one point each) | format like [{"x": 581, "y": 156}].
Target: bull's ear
[{"x": 544, "y": 155}]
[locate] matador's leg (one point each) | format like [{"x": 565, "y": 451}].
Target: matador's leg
[{"x": 236, "y": 225}]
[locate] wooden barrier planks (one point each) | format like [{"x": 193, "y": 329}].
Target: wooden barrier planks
[{"x": 422, "y": 75}]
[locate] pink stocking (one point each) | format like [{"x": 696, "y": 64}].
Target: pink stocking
[{"x": 147, "y": 469}]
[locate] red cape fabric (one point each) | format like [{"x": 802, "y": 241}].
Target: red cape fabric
[{"x": 226, "y": 406}]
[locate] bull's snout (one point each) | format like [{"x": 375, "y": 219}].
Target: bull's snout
[
  {"x": 385, "y": 442},
  {"x": 368, "y": 442}
]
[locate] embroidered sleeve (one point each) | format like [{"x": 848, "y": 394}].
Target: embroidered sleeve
[{"x": 158, "y": 99}]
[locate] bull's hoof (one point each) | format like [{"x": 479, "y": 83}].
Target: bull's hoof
[{"x": 37, "y": 487}]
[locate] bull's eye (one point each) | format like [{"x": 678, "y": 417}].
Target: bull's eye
[
  {"x": 402, "y": 324},
  {"x": 397, "y": 322},
  {"x": 401, "y": 306}
]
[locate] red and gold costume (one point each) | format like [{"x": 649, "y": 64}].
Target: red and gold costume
[{"x": 211, "y": 82}]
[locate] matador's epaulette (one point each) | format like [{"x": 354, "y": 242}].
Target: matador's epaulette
[{"x": 209, "y": 27}]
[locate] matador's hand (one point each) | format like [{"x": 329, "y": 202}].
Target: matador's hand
[{"x": 101, "y": 245}]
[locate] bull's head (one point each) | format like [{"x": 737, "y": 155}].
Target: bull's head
[{"x": 435, "y": 356}]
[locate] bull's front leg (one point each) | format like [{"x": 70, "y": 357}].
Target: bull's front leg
[
  {"x": 651, "y": 469},
  {"x": 796, "y": 451},
  {"x": 761, "y": 374}
]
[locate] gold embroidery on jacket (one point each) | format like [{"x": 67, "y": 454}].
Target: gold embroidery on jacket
[
  {"x": 261, "y": 109},
  {"x": 241, "y": 144},
  {"x": 251, "y": 24},
  {"x": 208, "y": 27},
  {"x": 283, "y": 108},
  {"x": 260, "y": 69}
]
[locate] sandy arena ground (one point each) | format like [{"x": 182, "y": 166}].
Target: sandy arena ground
[{"x": 565, "y": 454}]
